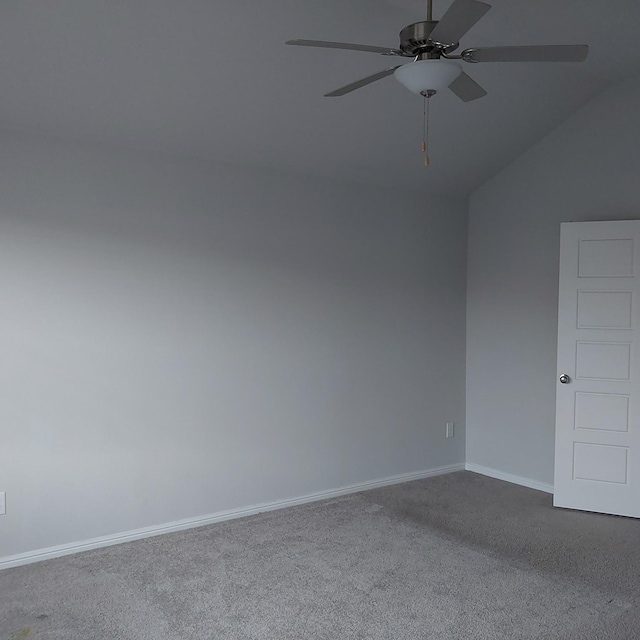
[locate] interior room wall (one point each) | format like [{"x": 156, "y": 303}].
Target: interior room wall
[
  {"x": 181, "y": 337},
  {"x": 587, "y": 169}
]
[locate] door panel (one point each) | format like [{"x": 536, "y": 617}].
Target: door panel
[
  {"x": 597, "y": 435},
  {"x": 602, "y": 412},
  {"x": 604, "y": 309},
  {"x": 600, "y": 462},
  {"x": 605, "y": 258},
  {"x": 603, "y": 360}
]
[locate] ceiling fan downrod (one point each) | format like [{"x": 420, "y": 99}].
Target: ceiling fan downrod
[{"x": 429, "y": 10}]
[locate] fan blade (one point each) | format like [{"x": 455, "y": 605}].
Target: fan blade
[
  {"x": 385, "y": 51},
  {"x": 541, "y": 53},
  {"x": 361, "y": 83},
  {"x": 466, "y": 88},
  {"x": 458, "y": 19}
]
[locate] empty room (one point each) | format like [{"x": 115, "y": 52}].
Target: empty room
[{"x": 318, "y": 320}]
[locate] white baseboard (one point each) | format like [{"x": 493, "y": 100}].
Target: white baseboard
[
  {"x": 508, "y": 477},
  {"x": 191, "y": 523}
]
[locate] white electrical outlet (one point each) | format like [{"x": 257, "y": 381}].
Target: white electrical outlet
[
  {"x": 3, "y": 503},
  {"x": 449, "y": 430}
]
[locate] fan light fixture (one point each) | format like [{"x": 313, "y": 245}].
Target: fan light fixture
[
  {"x": 429, "y": 41},
  {"x": 425, "y": 77}
]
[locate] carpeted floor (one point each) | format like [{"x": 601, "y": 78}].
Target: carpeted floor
[{"x": 453, "y": 557}]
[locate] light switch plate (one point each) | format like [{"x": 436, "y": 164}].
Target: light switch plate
[{"x": 3, "y": 503}]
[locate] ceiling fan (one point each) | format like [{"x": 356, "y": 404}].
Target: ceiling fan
[{"x": 431, "y": 44}]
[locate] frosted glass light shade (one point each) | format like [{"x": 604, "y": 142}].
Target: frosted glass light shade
[{"x": 428, "y": 75}]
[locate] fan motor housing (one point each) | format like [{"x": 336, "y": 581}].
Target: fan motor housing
[{"x": 415, "y": 40}]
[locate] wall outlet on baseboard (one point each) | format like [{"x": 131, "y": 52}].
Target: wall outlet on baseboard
[
  {"x": 3, "y": 503},
  {"x": 449, "y": 430}
]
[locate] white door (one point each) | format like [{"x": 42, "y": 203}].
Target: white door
[{"x": 597, "y": 412}]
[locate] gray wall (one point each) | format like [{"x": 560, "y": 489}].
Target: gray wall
[
  {"x": 180, "y": 338},
  {"x": 587, "y": 169}
]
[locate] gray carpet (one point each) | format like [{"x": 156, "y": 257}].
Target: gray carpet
[{"x": 453, "y": 557}]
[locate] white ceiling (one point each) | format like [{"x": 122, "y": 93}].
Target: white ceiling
[{"x": 213, "y": 78}]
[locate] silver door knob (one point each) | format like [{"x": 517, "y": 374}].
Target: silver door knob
[{"x": 565, "y": 379}]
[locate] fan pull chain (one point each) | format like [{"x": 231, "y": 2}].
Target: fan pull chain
[{"x": 425, "y": 130}]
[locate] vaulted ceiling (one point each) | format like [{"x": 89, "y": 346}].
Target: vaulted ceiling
[{"x": 214, "y": 79}]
